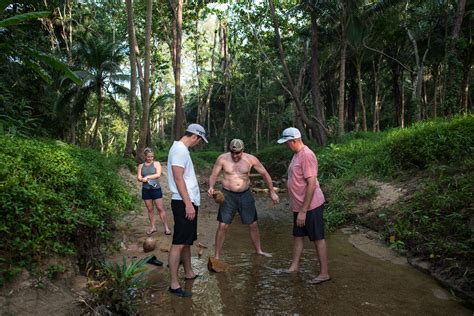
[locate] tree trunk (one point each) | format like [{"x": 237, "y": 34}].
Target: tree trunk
[
  {"x": 99, "y": 113},
  {"x": 206, "y": 111},
  {"x": 257, "y": 119},
  {"x": 146, "y": 93},
  {"x": 435, "y": 74},
  {"x": 198, "y": 73},
  {"x": 417, "y": 83},
  {"x": 316, "y": 99},
  {"x": 225, "y": 68},
  {"x": 133, "y": 80},
  {"x": 466, "y": 76},
  {"x": 292, "y": 90},
  {"x": 376, "y": 69},
  {"x": 452, "y": 91},
  {"x": 342, "y": 72},
  {"x": 179, "y": 125},
  {"x": 361, "y": 96},
  {"x": 396, "y": 91}
]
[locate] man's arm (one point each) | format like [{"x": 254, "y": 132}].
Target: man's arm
[
  {"x": 213, "y": 177},
  {"x": 310, "y": 188},
  {"x": 178, "y": 176},
  {"x": 257, "y": 165}
]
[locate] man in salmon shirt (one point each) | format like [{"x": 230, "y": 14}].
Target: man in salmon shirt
[{"x": 307, "y": 202}]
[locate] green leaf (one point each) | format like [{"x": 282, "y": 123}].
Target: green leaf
[
  {"x": 39, "y": 70},
  {"x": 56, "y": 64},
  {"x": 14, "y": 20},
  {"x": 4, "y": 4}
]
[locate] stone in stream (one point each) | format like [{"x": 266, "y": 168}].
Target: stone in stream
[{"x": 216, "y": 265}]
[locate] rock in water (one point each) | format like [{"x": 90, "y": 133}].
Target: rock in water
[
  {"x": 217, "y": 265},
  {"x": 149, "y": 244}
]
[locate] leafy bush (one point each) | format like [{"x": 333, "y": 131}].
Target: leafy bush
[
  {"x": 119, "y": 287},
  {"x": 55, "y": 198},
  {"x": 432, "y": 142}
]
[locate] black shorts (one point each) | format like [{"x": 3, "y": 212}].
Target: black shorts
[
  {"x": 242, "y": 202},
  {"x": 151, "y": 194},
  {"x": 314, "y": 225},
  {"x": 185, "y": 231}
]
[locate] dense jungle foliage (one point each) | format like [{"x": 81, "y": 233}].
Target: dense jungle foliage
[{"x": 57, "y": 199}]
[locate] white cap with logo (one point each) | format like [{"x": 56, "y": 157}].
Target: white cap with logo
[
  {"x": 198, "y": 130},
  {"x": 289, "y": 133}
]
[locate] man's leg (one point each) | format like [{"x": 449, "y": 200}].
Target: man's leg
[
  {"x": 297, "y": 251},
  {"x": 173, "y": 261},
  {"x": 220, "y": 237},
  {"x": 255, "y": 237},
  {"x": 186, "y": 259},
  {"x": 323, "y": 258}
]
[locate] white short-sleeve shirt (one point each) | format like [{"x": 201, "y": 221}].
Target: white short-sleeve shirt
[{"x": 179, "y": 156}]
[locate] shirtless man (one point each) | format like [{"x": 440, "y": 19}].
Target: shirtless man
[{"x": 236, "y": 166}]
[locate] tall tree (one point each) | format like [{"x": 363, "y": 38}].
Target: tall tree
[
  {"x": 294, "y": 90},
  {"x": 176, "y": 7},
  {"x": 142, "y": 141},
  {"x": 133, "y": 79}
]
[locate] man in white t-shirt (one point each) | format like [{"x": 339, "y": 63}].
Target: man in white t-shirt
[{"x": 185, "y": 201}]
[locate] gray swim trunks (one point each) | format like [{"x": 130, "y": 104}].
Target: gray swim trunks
[{"x": 242, "y": 202}]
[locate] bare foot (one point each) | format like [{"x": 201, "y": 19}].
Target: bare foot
[
  {"x": 291, "y": 270},
  {"x": 265, "y": 254}
]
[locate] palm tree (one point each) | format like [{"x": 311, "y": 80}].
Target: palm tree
[{"x": 99, "y": 60}]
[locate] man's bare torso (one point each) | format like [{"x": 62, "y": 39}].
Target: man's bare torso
[{"x": 236, "y": 173}]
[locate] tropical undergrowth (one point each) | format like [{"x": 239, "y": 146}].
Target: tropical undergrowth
[
  {"x": 56, "y": 199},
  {"x": 117, "y": 288},
  {"x": 434, "y": 220}
]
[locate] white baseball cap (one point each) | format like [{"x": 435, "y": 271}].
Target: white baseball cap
[
  {"x": 198, "y": 130},
  {"x": 289, "y": 133}
]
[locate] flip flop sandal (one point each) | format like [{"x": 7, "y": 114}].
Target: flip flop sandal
[
  {"x": 153, "y": 260},
  {"x": 197, "y": 276},
  {"x": 180, "y": 292}
]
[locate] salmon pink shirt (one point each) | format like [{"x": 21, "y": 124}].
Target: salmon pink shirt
[{"x": 303, "y": 165}]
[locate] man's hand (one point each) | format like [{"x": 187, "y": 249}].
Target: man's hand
[
  {"x": 190, "y": 212},
  {"x": 210, "y": 192},
  {"x": 275, "y": 198},
  {"x": 301, "y": 219}
]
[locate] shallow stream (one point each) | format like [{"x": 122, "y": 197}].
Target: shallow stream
[{"x": 360, "y": 285}]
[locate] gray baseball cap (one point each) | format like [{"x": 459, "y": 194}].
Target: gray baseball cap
[
  {"x": 198, "y": 130},
  {"x": 289, "y": 133},
  {"x": 236, "y": 145}
]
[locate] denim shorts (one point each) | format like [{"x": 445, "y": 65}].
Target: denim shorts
[
  {"x": 151, "y": 194},
  {"x": 242, "y": 202}
]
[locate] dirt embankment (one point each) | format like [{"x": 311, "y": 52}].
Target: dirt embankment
[{"x": 370, "y": 235}]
